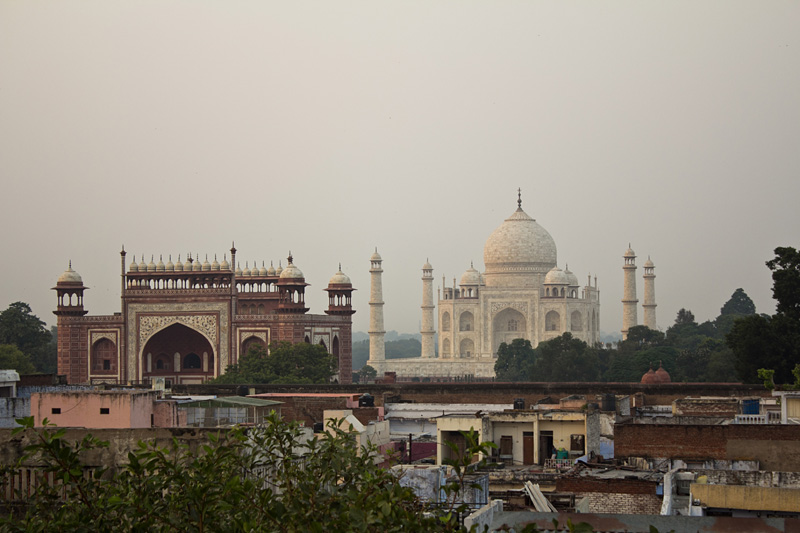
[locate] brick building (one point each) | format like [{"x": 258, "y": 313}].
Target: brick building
[{"x": 187, "y": 321}]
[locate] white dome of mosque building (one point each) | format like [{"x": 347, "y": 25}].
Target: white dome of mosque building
[{"x": 522, "y": 294}]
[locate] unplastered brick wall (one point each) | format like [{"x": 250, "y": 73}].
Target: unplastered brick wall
[
  {"x": 618, "y": 503},
  {"x": 776, "y": 447},
  {"x": 726, "y": 407}
]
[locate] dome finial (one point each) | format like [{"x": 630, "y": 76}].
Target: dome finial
[
  {"x": 519, "y": 198},
  {"x": 340, "y": 266}
]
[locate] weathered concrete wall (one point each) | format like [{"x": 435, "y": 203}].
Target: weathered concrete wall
[{"x": 13, "y": 408}]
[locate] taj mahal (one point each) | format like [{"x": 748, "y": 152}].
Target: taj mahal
[{"x": 522, "y": 293}]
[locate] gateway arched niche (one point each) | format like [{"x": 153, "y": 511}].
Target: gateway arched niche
[
  {"x": 508, "y": 324},
  {"x": 178, "y": 353}
]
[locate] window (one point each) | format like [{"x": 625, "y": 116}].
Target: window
[
  {"x": 104, "y": 410},
  {"x": 512, "y": 325},
  {"x": 55, "y": 411},
  {"x": 106, "y": 364}
]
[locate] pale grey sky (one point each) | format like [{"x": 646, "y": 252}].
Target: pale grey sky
[{"x": 330, "y": 128}]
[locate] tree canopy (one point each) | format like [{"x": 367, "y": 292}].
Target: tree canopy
[
  {"x": 19, "y": 327},
  {"x": 285, "y": 363},
  {"x": 760, "y": 341},
  {"x": 267, "y": 478}
]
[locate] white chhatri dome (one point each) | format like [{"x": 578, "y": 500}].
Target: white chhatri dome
[
  {"x": 340, "y": 278},
  {"x": 556, "y": 277},
  {"x": 471, "y": 277},
  {"x": 70, "y": 276},
  {"x": 519, "y": 246}
]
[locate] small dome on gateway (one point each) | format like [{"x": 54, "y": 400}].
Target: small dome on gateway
[
  {"x": 170, "y": 265},
  {"x": 648, "y": 263},
  {"x": 291, "y": 271},
  {"x": 224, "y": 265},
  {"x": 556, "y": 276},
  {"x": 160, "y": 267},
  {"x": 246, "y": 271},
  {"x": 263, "y": 270},
  {"x": 215, "y": 264},
  {"x": 70, "y": 276},
  {"x": 206, "y": 264},
  {"x": 279, "y": 270},
  {"x": 142, "y": 265},
  {"x": 471, "y": 276},
  {"x": 340, "y": 278},
  {"x": 196, "y": 265},
  {"x": 239, "y": 270},
  {"x": 271, "y": 270},
  {"x": 427, "y": 266},
  {"x": 151, "y": 266},
  {"x": 179, "y": 265},
  {"x": 134, "y": 266}
]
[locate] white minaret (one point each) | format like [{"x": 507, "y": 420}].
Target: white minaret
[
  {"x": 649, "y": 305},
  {"x": 629, "y": 301},
  {"x": 427, "y": 311},
  {"x": 377, "y": 348}
]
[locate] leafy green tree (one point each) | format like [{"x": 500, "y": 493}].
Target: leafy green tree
[
  {"x": 565, "y": 358},
  {"x": 785, "y": 269},
  {"x": 514, "y": 361},
  {"x": 285, "y": 363},
  {"x": 12, "y": 358},
  {"x": 20, "y": 327},
  {"x": 367, "y": 374},
  {"x": 262, "y": 479},
  {"x": 759, "y": 341},
  {"x": 739, "y": 304}
]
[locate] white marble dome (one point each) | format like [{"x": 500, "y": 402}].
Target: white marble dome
[
  {"x": 471, "y": 277},
  {"x": 340, "y": 278},
  {"x": 556, "y": 276},
  {"x": 70, "y": 276},
  {"x": 573, "y": 279},
  {"x": 519, "y": 245},
  {"x": 291, "y": 272}
]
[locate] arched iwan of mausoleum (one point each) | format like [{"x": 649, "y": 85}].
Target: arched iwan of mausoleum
[
  {"x": 466, "y": 321},
  {"x": 467, "y": 348},
  {"x": 508, "y": 324},
  {"x": 576, "y": 321},
  {"x": 180, "y": 354},
  {"x": 552, "y": 321}
]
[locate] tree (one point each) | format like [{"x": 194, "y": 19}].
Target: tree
[
  {"x": 685, "y": 317},
  {"x": 759, "y": 341},
  {"x": 366, "y": 374},
  {"x": 739, "y": 304},
  {"x": 20, "y": 327},
  {"x": 266, "y": 478},
  {"x": 514, "y": 361},
  {"x": 11, "y": 358},
  {"x": 785, "y": 269},
  {"x": 565, "y": 358},
  {"x": 285, "y": 363}
]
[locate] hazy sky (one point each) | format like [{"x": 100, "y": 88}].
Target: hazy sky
[{"x": 329, "y": 128}]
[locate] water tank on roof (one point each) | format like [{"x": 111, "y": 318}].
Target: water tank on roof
[
  {"x": 750, "y": 407},
  {"x": 519, "y": 403},
  {"x": 366, "y": 400}
]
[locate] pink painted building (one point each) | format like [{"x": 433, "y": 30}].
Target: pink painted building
[{"x": 104, "y": 409}]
